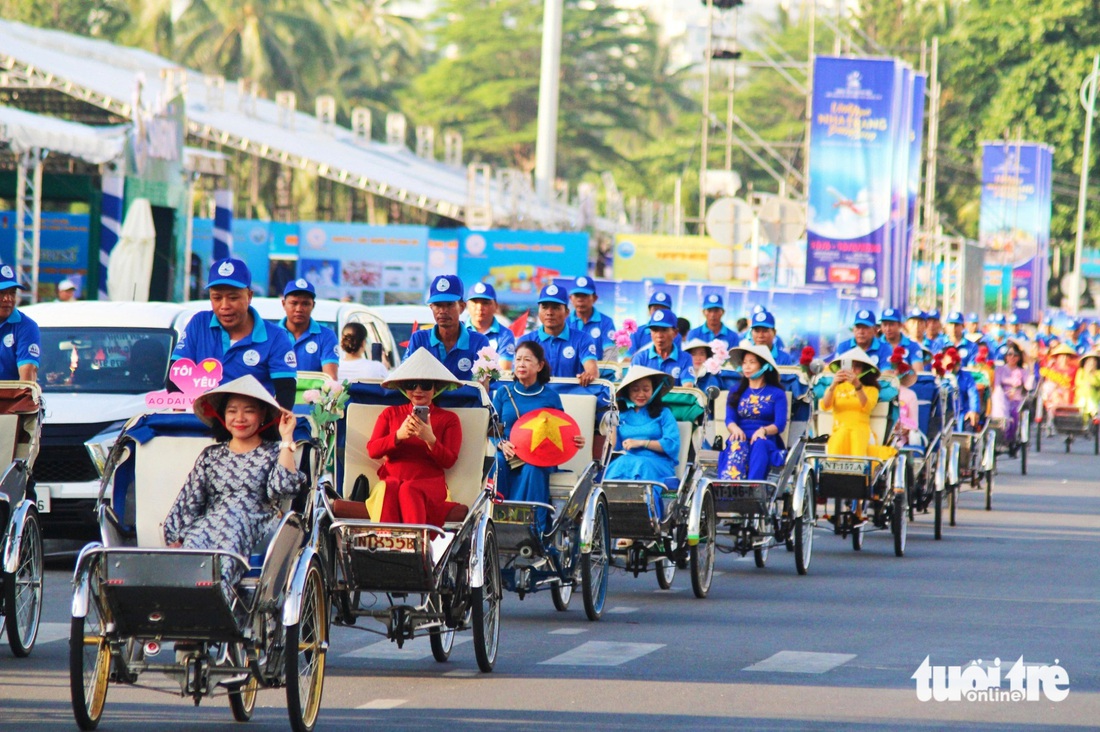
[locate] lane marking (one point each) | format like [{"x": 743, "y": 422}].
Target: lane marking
[
  {"x": 50, "y": 632},
  {"x": 568, "y": 631},
  {"x": 622, "y": 609},
  {"x": 462, "y": 673},
  {"x": 603, "y": 653},
  {"x": 416, "y": 649},
  {"x": 383, "y": 704},
  {"x": 670, "y": 589},
  {"x": 801, "y": 662}
]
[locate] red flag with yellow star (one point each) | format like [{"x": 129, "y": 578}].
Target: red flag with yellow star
[{"x": 544, "y": 437}]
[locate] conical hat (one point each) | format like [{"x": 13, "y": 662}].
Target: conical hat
[
  {"x": 737, "y": 354},
  {"x": 207, "y": 405},
  {"x": 637, "y": 373},
  {"x": 696, "y": 343},
  {"x": 1091, "y": 354},
  {"x": 855, "y": 355},
  {"x": 1062, "y": 350},
  {"x": 420, "y": 366}
]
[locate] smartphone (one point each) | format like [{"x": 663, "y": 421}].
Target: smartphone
[
  {"x": 846, "y": 364},
  {"x": 421, "y": 414}
]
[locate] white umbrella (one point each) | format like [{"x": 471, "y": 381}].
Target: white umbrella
[{"x": 130, "y": 267}]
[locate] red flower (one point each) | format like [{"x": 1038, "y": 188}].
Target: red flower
[{"x": 807, "y": 356}]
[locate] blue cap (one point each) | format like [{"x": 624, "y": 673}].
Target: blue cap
[
  {"x": 552, "y": 294},
  {"x": 662, "y": 319},
  {"x": 999, "y": 319},
  {"x": 762, "y": 319},
  {"x": 933, "y": 314},
  {"x": 1077, "y": 323},
  {"x": 758, "y": 309},
  {"x": 712, "y": 301},
  {"x": 892, "y": 315},
  {"x": 583, "y": 286},
  {"x": 445, "y": 288},
  {"x": 8, "y": 279},
  {"x": 661, "y": 298},
  {"x": 1012, "y": 319},
  {"x": 955, "y": 318},
  {"x": 1048, "y": 320},
  {"x": 482, "y": 291},
  {"x": 917, "y": 314},
  {"x": 300, "y": 285},
  {"x": 864, "y": 317},
  {"x": 229, "y": 272},
  {"x": 973, "y": 318}
]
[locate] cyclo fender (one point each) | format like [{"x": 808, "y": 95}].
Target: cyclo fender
[
  {"x": 588, "y": 524},
  {"x": 82, "y": 578},
  {"x": 477, "y": 546},
  {"x": 798, "y": 496},
  {"x": 899, "y": 472},
  {"x": 695, "y": 512},
  {"x": 14, "y": 539},
  {"x": 292, "y": 605}
]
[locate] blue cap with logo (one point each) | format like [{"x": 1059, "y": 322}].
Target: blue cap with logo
[
  {"x": 758, "y": 309},
  {"x": 955, "y": 317},
  {"x": 892, "y": 315},
  {"x": 445, "y": 288},
  {"x": 662, "y": 319},
  {"x": 1012, "y": 319},
  {"x": 712, "y": 302},
  {"x": 973, "y": 318},
  {"x": 917, "y": 314},
  {"x": 8, "y": 279},
  {"x": 865, "y": 317},
  {"x": 482, "y": 291},
  {"x": 1077, "y": 323},
  {"x": 762, "y": 319},
  {"x": 552, "y": 294},
  {"x": 999, "y": 319},
  {"x": 660, "y": 298},
  {"x": 300, "y": 285},
  {"x": 1048, "y": 320},
  {"x": 230, "y": 273},
  {"x": 933, "y": 314},
  {"x": 583, "y": 286}
]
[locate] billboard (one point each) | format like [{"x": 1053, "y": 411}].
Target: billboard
[
  {"x": 517, "y": 263},
  {"x": 63, "y": 250}
]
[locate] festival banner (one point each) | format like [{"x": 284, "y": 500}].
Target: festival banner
[
  {"x": 916, "y": 146},
  {"x": 63, "y": 250},
  {"x": 854, "y": 129},
  {"x": 518, "y": 263},
  {"x": 680, "y": 258}
]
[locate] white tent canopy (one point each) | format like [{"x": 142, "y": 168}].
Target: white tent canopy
[{"x": 26, "y": 131}]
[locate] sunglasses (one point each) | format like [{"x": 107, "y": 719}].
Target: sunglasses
[{"x": 420, "y": 385}]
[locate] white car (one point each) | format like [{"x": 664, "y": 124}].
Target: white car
[{"x": 99, "y": 360}]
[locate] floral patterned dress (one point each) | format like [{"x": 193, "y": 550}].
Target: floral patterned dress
[{"x": 756, "y": 408}]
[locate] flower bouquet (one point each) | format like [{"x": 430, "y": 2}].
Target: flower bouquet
[
  {"x": 719, "y": 355},
  {"x": 621, "y": 337},
  {"x": 487, "y": 366},
  {"x": 327, "y": 406}
]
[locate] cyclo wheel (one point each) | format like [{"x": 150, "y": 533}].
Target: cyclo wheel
[
  {"x": 594, "y": 565},
  {"x": 899, "y": 524},
  {"x": 442, "y": 641},
  {"x": 89, "y": 666},
  {"x": 305, "y": 654},
  {"x": 242, "y": 697},
  {"x": 23, "y": 591},
  {"x": 561, "y": 594},
  {"x": 760, "y": 556},
  {"x": 937, "y": 513},
  {"x": 701, "y": 556},
  {"x": 486, "y": 607},
  {"x": 952, "y": 503},
  {"x": 666, "y": 572},
  {"x": 804, "y": 532}
]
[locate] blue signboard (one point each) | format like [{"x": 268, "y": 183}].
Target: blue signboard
[
  {"x": 518, "y": 263},
  {"x": 63, "y": 247}
]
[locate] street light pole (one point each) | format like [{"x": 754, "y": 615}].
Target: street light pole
[
  {"x": 1088, "y": 89},
  {"x": 546, "y": 142}
]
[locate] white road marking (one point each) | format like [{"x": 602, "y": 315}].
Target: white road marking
[
  {"x": 50, "y": 632},
  {"x": 383, "y": 704},
  {"x": 603, "y": 653},
  {"x": 568, "y": 631},
  {"x": 621, "y": 610},
  {"x": 801, "y": 662},
  {"x": 462, "y": 673},
  {"x": 670, "y": 589},
  {"x": 416, "y": 649},
  {"x": 1039, "y": 461}
]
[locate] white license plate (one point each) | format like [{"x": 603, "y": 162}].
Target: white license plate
[
  {"x": 386, "y": 541},
  {"x": 738, "y": 492},
  {"x": 43, "y": 498},
  {"x": 844, "y": 466}
]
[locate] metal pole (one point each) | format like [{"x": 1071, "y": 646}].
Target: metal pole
[
  {"x": 931, "y": 239},
  {"x": 706, "y": 116},
  {"x": 809, "y": 99},
  {"x": 1087, "y": 86},
  {"x": 546, "y": 142}
]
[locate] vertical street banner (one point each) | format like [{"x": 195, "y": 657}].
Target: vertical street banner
[
  {"x": 852, "y": 158},
  {"x": 897, "y": 291},
  {"x": 1014, "y": 226},
  {"x": 916, "y": 146}
]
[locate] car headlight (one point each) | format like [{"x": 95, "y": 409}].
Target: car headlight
[{"x": 99, "y": 447}]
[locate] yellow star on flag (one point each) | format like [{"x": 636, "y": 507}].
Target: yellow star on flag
[{"x": 544, "y": 426}]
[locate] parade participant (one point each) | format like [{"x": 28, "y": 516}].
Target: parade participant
[
  {"x": 865, "y": 339},
  {"x": 231, "y": 497},
  {"x": 517, "y": 480},
  {"x": 648, "y": 436},
  {"x": 22, "y": 349},
  {"x": 587, "y": 319},
  {"x": 66, "y": 291},
  {"x": 1016, "y": 330},
  {"x": 713, "y": 329},
  {"x": 483, "y": 308},
  {"x": 851, "y": 397},
  {"x": 890, "y": 324},
  {"x": 1046, "y": 334},
  {"x": 657, "y": 301},
  {"x": 701, "y": 353},
  {"x": 915, "y": 325},
  {"x": 965, "y": 349},
  {"x": 314, "y": 347},
  {"x": 233, "y": 333},
  {"x": 934, "y": 339},
  {"x": 948, "y": 362},
  {"x": 415, "y": 453},
  {"x": 1060, "y": 375},
  {"x": 355, "y": 364},
  {"x": 1078, "y": 338},
  {"x": 1093, "y": 332},
  {"x": 455, "y": 345},
  {"x": 908, "y": 429},
  {"x": 1010, "y": 382},
  {"x": 662, "y": 354},
  {"x": 756, "y": 415},
  {"x": 1087, "y": 385},
  {"x": 570, "y": 353},
  {"x": 763, "y": 334}
]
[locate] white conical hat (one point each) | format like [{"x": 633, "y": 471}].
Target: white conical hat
[
  {"x": 210, "y": 402},
  {"x": 856, "y": 355},
  {"x": 762, "y": 352},
  {"x": 696, "y": 343},
  {"x": 420, "y": 366},
  {"x": 637, "y": 373}
]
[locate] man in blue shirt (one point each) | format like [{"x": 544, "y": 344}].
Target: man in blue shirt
[
  {"x": 890, "y": 324},
  {"x": 482, "y": 305},
  {"x": 763, "y": 334},
  {"x": 587, "y": 318},
  {"x": 233, "y": 333},
  {"x": 659, "y": 300},
  {"x": 713, "y": 329},
  {"x": 455, "y": 345},
  {"x": 22, "y": 342},
  {"x": 570, "y": 353},
  {"x": 315, "y": 347},
  {"x": 864, "y": 336},
  {"x": 662, "y": 353},
  {"x": 934, "y": 338},
  {"x": 915, "y": 325},
  {"x": 1016, "y": 330},
  {"x": 956, "y": 338}
]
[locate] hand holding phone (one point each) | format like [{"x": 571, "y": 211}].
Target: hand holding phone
[{"x": 421, "y": 413}]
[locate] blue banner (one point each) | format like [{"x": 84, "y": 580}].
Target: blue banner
[
  {"x": 63, "y": 247},
  {"x": 518, "y": 263},
  {"x": 916, "y": 146}
]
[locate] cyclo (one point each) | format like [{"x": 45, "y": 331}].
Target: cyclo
[
  {"x": 575, "y": 551},
  {"x": 974, "y": 460},
  {"x": 1058, "y": 412},
  {"x": 678, "y": 533},
  {"x": 132, "y": 594},
  {"x": 929, "y": 457},
  {"x": 855, "y": 483},
  {"x": 435, "y": 580},
  {"x": 20, "y": 534},
  {"x": 778, "y": 510}
]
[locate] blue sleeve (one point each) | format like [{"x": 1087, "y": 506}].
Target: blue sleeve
[
  {"x": 416, "y": 342},
  {"x": 670, "y": 434},
  {"x": 586, "y": 348},
  {"x": 506, "y": 345},
  {"x": 687, "y": 370},
  {"x": 780, "y": 409},
  {"x": 185, "y": 348},
  {"x": 972, "y": 398},
  {"x": 330, "y": 351},
  {"x": 731, "y": 411},
  {"x": 281, "y": 361},
  {"x": 29, "y": 348}
]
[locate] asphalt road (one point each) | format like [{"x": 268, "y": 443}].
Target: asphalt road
[{"x": 767, "y": 650}]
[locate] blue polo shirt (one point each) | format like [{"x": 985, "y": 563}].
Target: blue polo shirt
[
  {"x": 599, "y": 328},
  {"x": 781, "y": 356},
  {"x": 642, "y": 338},
  {"x": 567, "y": 351},
  {"x": 880, "y": 351},
  {"x": 678, "y": 365},
  {"x": 22, "y": 345},
  {"x": 967, "y": 351},
  {"x": 460, "y": 359},
  {"x": 913, "y": 354},
  {"x": 937, "y": 344},
  {"x": 267, "y": 353},
  {"x": 500, "y": 338},
  {"x": 315, "y": 348},
  {"x": 706, "y": 335}
]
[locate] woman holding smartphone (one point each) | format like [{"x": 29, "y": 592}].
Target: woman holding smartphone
[
  {"x": 417, "y": 442},
  {"x": 851, "y": 398}
]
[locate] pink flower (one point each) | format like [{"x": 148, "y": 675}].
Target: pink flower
[
  {"x": 720, "y": 352},
  {"x": 713, "y": 365},
  {"x": 332, "y": 387},
  {"x": 622, "y": 339},
  {"x": 630, "y": 326},
  {"x": 312, "y": 396},
  {"x": 488, "y": 354}
]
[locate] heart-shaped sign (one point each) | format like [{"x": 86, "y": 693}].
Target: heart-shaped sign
[{"x": 193, "y": 380}]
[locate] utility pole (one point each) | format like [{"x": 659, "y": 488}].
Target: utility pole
[
  {"x": 546, "y": 142},
  {"x": 1088, "y": 100}
]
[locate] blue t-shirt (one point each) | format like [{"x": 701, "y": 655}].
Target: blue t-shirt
[
  {"x": 880, "y": 351},
  {"x": 937, "y": 344},
  {"x": 913, "y": 353},
  {"x": 315, "y": 348},
  {"x": 22, "y": 345},
  {"x": 599, "y": 328},
  {"x": 706, "y": 335},
  {"x": 566, "y": 352},
  {"x": 265, "y": 353},
  {"x": 460, "y": 359},
  {"x": 678, "y": 364},
  {"x": 500, "y": 338}
]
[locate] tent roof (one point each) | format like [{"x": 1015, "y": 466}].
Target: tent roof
[{"x": 25, "y": 131}]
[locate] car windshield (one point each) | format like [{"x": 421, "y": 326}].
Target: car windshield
[{"x": 105, "y": 360}]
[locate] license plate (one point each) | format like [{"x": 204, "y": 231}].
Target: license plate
[
  {"x": 847, "y": 467},
  {"x": 387, "y": 541},
  {"x": 513, "y": 514},
  {"x": 42, "y": 494},
  {"x": 737, "y": 492}
]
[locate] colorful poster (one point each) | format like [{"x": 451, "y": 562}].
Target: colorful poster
[
  {"x": 63, "y": 247},
  {"x": 852, "y": 158},
  {"x": 680, "y": 258},
  {"x": 519, "y": 263},
  {"x": 916, "y": 147},
  {"x": 374, "y": 265}
]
